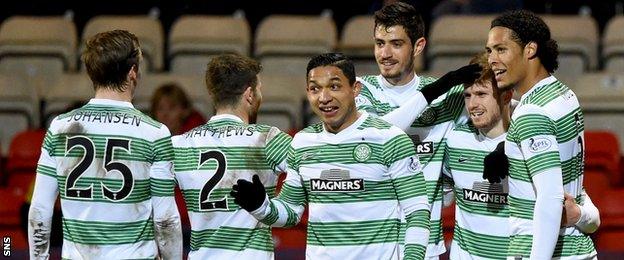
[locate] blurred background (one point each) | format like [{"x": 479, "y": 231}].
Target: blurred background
[{"x": 41, "y": 75}]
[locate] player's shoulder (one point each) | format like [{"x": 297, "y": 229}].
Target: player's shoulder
[
  {"x": 524, "y": 110},
  {"x": 543, "y": 95},
  {"x": 461, "y": 132},
  {"x": 376, "y": 123},
  {"x": 311, "y": 129},
  {"x": 307, "y": 135},
  {"x": 370, "y": 82},
  {"x": 378, "y": 129},
  {"x": 427, "y": 79}
]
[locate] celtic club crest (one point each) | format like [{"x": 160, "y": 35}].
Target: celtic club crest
[
  {"x": 361, "y": 152},
  {"x": 428, "y": 116}
]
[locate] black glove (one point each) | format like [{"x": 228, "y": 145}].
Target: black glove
[
  {"x": 496, "y": 164},
  {"x": 248, "y": 195},
  {"x": 464, "y": 75}
]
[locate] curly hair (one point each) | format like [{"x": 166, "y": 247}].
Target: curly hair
[
  {"x": 527, "y": 27},
  {"x": 402, "y": 14}
]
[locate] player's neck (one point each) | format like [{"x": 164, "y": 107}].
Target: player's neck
[
  {"x": 109, "y": 93},
  {"x": 402, "y": 81},
  {"x": 494, "y": 132},
  {"x": 240, "y": 113},
  {"x": 535, "y": 73}
]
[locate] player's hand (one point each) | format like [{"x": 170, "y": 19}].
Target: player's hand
[
  {"x": 249, "y": 195},
  {"x": 571, "y": 211},
  {"x": 464, "y": 75},
  {"x": 496, "y": 164}
]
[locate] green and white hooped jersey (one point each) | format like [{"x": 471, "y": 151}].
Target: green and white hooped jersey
[
  {"x": 545, "y": 134},
  {"x": 109, "y": 161},
  {"x": 356, "y": 183},
  {"x": 379, "y": 97},
  {"x": 209, "y": 159},
  {"x": 481, "y": 209}
]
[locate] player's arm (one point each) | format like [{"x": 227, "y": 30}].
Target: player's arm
[
  {"x": 584, "y": 215},
  {"x": 536, "y": 132},
  {"x": 283, "y": 211},
  {"x": 408, "y": 112},
  {"x": 167, "y": 225},
  {"x": 276, "y": 149},
  {"x": 42, "y": 203},
  {"x": 411, "y": 190},
  {"x": 447, "y": 179}
]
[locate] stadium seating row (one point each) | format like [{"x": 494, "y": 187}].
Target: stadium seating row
[
  {"x": 35, "y": 46},
  {"x": 22, "y": 107}
]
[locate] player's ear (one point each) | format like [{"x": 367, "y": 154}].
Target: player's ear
[
  {"x": 133, "y": 74},
  {"x": 419, "y": 46},
  {"x": 507, "y": 95},
  {"x": 530, "y": 50},
  {"x": 357, "y": 86},
  {"x": 248, "y": 95}
]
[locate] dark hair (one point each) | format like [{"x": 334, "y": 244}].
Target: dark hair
[
  {"x": 109, "y": 56},
  {"x": 404, "y": 14},
  {"x": 487, "y": 74},
  {"x": 338, "y": 60},
  {"x": 527, "y": 27},
  {"x": 169, "y": 90},
  {"x": 228, "y": 75}
]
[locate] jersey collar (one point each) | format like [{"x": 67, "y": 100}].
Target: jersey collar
[
  {"x": 347, "y": 131},
  {"x": 386, "y": 84},
  {"x": 226, "y": 116},
  {"x": 110, "y": 102}
]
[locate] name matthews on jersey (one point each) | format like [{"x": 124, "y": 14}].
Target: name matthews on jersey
[{"x": 220, "y": 132}]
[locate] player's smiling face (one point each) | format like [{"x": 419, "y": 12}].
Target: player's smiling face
[
  {"x": 331, "y": 97},
  {"x": 482, "y": 105},
  {"x": 506, "y": 57},
  {"x": 394, "y": 52}
]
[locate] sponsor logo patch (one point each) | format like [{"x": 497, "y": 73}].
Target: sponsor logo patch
[
  {"x": 539, "y": 144},
  {"x": 309, "y": 155},
  {"x": 414, "y": 165},
  {"x": 485, "y": 192},
  {"x": 336, "y": 180},
  {"x": 424, "y": 148},
  {"x": 462, "y": 158}
]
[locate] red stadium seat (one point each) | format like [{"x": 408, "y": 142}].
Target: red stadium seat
[
  {"x": 179, "y": 199},
  {"x": 24, "y": 151},
  {"x": 10, "y": 203},
  {"x": 610, "y": 240},
  {"x": 611, "y": 209},
  {"x": 596, "y": 183},
  {"x": 602, "y": 151},
  {"x": 448, "y": 223}
]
